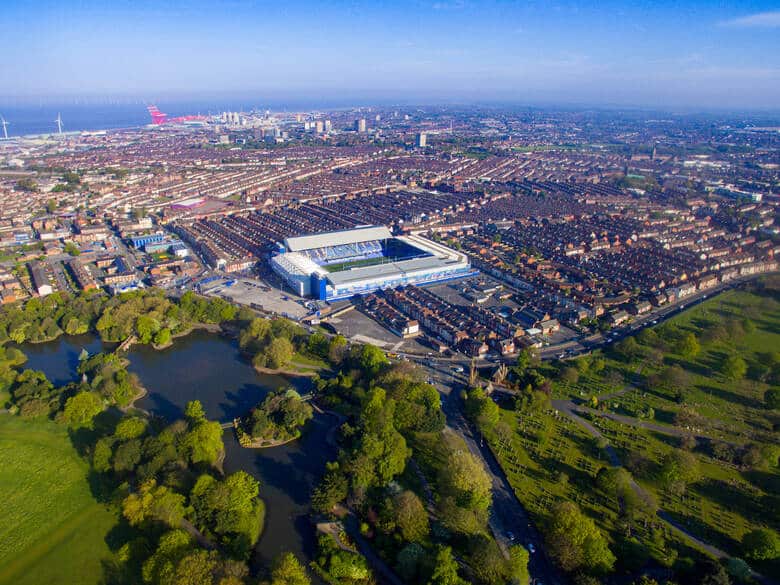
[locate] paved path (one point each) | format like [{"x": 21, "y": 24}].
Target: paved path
[{"x": 565, "y": 406}]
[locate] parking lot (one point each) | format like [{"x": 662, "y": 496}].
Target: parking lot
[
  {"x": 257, "y": 294},
  {"x": 356, "y": 326}
]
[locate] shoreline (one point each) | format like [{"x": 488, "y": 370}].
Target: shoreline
[{"x": 283, "y": 372}]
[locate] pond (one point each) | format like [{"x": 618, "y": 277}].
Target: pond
[{"x": 210, "y": 368}]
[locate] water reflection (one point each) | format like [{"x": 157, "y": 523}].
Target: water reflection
[{"x": 211, "y": 369}]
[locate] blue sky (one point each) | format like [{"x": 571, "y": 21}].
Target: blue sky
[{"x": 661, "y": 53}]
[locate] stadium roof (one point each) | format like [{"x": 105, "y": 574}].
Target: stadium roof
[
  {"x": 340, "y": 238},
  {"x": 390, "y": 269}
]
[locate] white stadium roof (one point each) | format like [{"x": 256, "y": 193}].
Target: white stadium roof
[{"x": 340, "y": 238}]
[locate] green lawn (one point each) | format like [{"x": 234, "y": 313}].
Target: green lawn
[{"x": 53, "y": 530}]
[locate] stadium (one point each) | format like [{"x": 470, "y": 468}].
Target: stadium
[{"x": 338, "y": 265}]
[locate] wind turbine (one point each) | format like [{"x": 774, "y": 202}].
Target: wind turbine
[
  {"x": 4, "y": 124},
  {"x": 58, "y": 121}
]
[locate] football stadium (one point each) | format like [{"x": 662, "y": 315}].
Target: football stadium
[{"x": 338, "y": 265}]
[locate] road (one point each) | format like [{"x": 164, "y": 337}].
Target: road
[{"x": 507, "y": 513}]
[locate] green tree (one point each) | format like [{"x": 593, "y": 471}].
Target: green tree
[
  {"x": 333, "y": 488},
  {"x": 486, "y": 561},
  {"x": 761, "y": 544},
  {"x": 101, "y": 455},
  {"x": 411, "y": 517},
  {"x": 81, "y": 409},
  {"x": 160, "y": 568},
  {"x": 203, "y": 442},
  {"x": 162, "y": 337},
  {"x": 371, "y": 360},
  {"x": 194, "y": 413},
  {"x": 72, "y": 249},
  {"x": 154, "y": 502},
  {"x": 288, "y": 570},
  {"x": 688, "y": 346},
  {"x": 678, "y": 469},
  {"x": 279, "y": 352},
  {"x": 196, "y": 568},
  {"x": 518, "y": 565},
  {"x": 127, "y": 456},
  {"x": 146, "y": 327},
  {"x": 229, "y": 508},
  {"x": 130, "y": 427},
  {"x": 445, "y": 571},
  {"x": 576, "y": 542},
  {"x": 733, "y": 367},
  {"x": 464, "y": 479}
]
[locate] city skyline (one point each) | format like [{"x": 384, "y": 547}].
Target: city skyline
[{"x": 651, "y": 55}]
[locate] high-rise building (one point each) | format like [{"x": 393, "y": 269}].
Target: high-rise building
[
  {"x": 422, "y": 140},
  {"x": 360, "y": 125},
  {"x": 328, "y": 126},
  {"x": 318, "y": 126}
]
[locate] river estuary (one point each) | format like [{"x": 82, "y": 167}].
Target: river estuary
[{"x": 210, "y": 368}]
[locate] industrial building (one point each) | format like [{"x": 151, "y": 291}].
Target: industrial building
[{"x": 338, "y": 265}]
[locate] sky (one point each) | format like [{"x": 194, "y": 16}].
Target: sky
[{"x": 695, "y": 54}]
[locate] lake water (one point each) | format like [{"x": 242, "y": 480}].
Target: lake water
[{"x": 211, "y": 369}]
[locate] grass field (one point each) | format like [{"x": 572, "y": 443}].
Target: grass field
[
  {"x": 340, "y": 266},
  {"x": 547, "y": 457},
  {"x": 53, "y": 530}
]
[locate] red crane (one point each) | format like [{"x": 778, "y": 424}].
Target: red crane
[{"x": 159, "y": 117}]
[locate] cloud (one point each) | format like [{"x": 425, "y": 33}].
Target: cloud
[{"x": 760, "y": 19}]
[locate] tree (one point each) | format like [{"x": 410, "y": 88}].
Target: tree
[
  {"x": 518, "y": 565},
  {"x": 336, "y": 349},
  {"x": 154, "y": 502},
  {"x": 371, "y": 360},
  {"x": 229, "y": 508},
  {"x": 464, "y": 479},
  {"x": 288, "y": 570},
  {"x": 127, "y": 456},
  {"x": 761, "y": 544},
  {"x": 739, "y": 569},
  {"x": 279, "y": 352},
  {"x": 679, "y": 468},
  {"x": 486, "y": 560},
  {"x": 628, "y": 348},
  {"x": 160, "y": 568},
  {"x": 411, "y": 517},
  {"x": 162, "y": 337},
  {"x": 576, "y": 542},
  {"x": 445, "y": 571},
  {"x": 688, "y": 346},
  {"x": 333, "y": 488},
  {"x": 196, "y": 568},
  {"x": 82, "y": 408},
  {"x": 203, "y": 442},
  {"x": 772, "y": 398},
  {"x": 409, "y": 562},
  {"x": 733, "y": 367},
  {"x": 193, "y": 412},
  {"x": 146, "y": 327},
  {"x": 101, "y": 455},
  {"x": 130, "y": 427}
]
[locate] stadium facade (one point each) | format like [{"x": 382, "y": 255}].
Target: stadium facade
[{"x": 338, "y": 265}]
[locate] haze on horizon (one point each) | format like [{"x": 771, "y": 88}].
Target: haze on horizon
[{"x": 657, "y": 54}]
